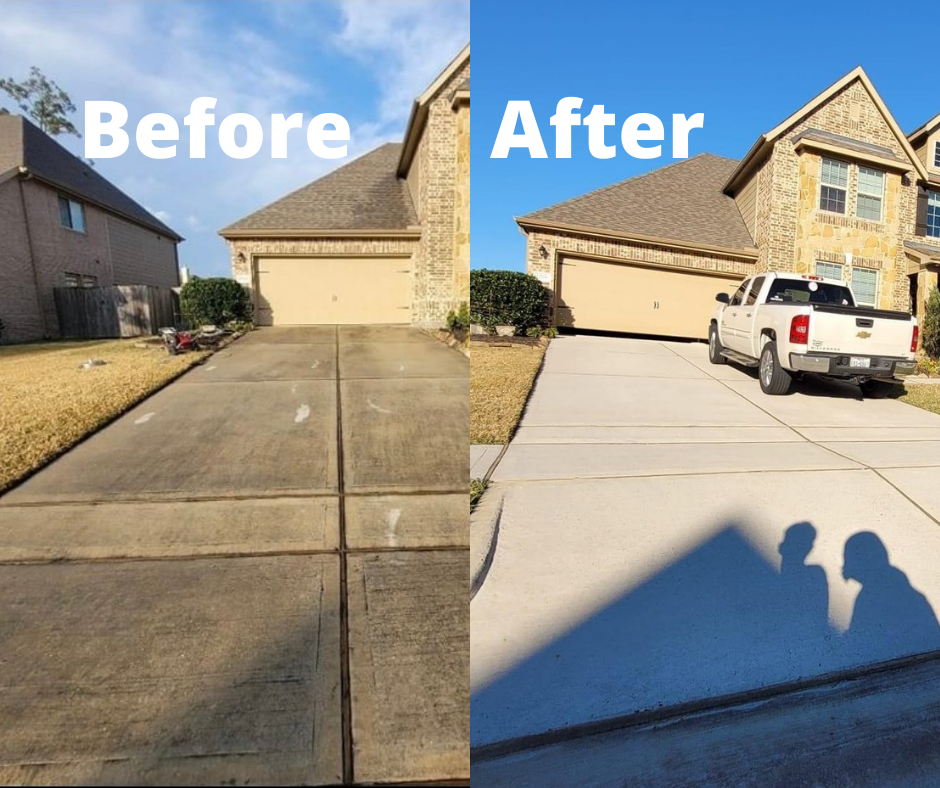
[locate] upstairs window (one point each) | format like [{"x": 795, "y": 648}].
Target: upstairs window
[
  {"x": 72, "y": 214},
  {"x": 933, "y": 214},
  {"x": 835, "y": 182},
  {"x": 936, "y": 154},
  {"x": 829, "y": 270},
  {"x": 80, "y": 280},
  {"x": 871, "y": 192}
]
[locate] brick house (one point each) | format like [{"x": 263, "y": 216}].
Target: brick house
[
  {"x": 63, "y": 225},
  {"x": 836, "y": 189},
  {"x": 382, "y": 239}
]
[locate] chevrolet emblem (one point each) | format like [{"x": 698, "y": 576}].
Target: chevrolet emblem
[{"x": 863, "y": 334}]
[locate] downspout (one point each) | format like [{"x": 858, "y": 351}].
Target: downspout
[{"x": 32, "y": 259}]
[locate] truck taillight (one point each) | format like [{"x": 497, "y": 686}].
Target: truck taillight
[
  {"x": 914, "y": 337},
  {"x": 799, "y": 330}
]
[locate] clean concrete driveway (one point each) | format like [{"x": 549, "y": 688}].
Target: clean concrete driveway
[
  {"x": 258, "y": 574},
  {"x": 646, "y": 559}
]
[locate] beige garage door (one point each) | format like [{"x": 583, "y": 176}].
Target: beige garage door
[
  {"x": 303, "y": 291},
  {"x": 636, "y": 299}
]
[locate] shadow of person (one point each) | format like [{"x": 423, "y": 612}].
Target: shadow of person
[
  {"x": 887, "y": 609},
  {"x": 804, "y": 585}
]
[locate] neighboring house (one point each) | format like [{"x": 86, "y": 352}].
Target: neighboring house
[
  {"x": 835, "y": 190},
  {"x": 383, "y": 239},
  {"x": 63, "y": 225}
]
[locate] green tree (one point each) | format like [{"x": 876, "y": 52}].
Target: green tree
[
  {"x": 43, "y": 100},
  {"x": 930, "y": 324}
]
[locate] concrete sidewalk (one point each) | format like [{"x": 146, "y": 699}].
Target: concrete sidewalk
[
  {"x": 482, "y": 460},
  {"x": 256, "y": 575},
  {"x": 648, "y": 556}
]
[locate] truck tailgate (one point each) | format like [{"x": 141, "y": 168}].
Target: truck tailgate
[{"x": 859, "y": 331}]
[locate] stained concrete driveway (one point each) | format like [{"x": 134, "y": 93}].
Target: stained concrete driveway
[
  {"x": 671, "y": 536},
  {"x": 257, "y": 575}
]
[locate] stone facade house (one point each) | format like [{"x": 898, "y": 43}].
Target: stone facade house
[
  {"x": 836, "y": 189},
  {"x": 382, "y": 239},
  {"x": 63, "y": 225}
]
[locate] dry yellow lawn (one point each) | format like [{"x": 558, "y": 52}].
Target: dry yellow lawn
[
  {"x": 47, "y": 403},
  {"x": 924, "y": 395},
  {"x": 500, "y": 379}
]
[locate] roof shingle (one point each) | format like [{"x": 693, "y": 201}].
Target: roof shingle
[
  {"x": 24, "y": 145},
  {"x": 365, "y": 194},
  {"x": 682, "y": 202}
]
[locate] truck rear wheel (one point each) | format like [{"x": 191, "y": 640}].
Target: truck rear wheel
[
  {"x": 714, "y": 346},
  {"x": 774, "y": 379}
]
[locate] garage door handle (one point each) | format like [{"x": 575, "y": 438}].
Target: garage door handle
[{"x": 335, "y": 298}]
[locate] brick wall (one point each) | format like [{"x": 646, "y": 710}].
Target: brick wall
[
  {"x": 462, "y": 207},
  {"x": 436, "y": 258},
  {"x": 19, "y": 306},
  {"x": 141, "y": 256}
]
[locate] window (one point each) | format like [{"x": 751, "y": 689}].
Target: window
[
  {"x": 72, "y": 214},
  {"x": 806, "y": 291},
  {"x": 936, "y": 154},
  {"x": 835, "y": 181},
  {"x": 80, "y": 280},
  {"x": 829, "y": 270},
  {"x": 89, "y": 281},
  {"x": 933, "y": 214},
  {"x": 865, "y": 286},
  {"x": 755, "y": 289},
  {"x": 871, "y": 192},
  {"x": 738, "y": 295}
]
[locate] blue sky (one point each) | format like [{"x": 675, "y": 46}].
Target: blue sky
[
  {"x": 363, "y": 59},
  {"x": 746, "y": 67}
]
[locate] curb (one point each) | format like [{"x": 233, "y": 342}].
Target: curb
[{"x": 484, "y": 533}]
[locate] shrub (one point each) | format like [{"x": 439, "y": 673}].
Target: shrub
[
  {"x": 930, "y": 325},
  {"x": 507, "y": 298},
  {"x": 459, "y": 320},
  {"x": 216, "y": 300},
  {"x": 2, "y": 328}
]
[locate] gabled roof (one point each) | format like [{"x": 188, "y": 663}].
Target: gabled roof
[
  {"x": 682, "y": 203},
  {"x": 363, "y": 195},
  {"x": 766, "y": 141},
  {"x": 419, "y": 110},
  {"x": 916, "y": 136},
  {"x": 23, "y": 145}
]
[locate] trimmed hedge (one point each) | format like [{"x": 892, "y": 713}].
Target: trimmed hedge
[
  {"x": 507, "y": 298},
  {"x": 930, "y": 325},
  {"x": 216, "y": 301}
]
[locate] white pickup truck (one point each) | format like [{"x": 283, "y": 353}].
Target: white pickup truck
[{"x": 789, "y": 324}]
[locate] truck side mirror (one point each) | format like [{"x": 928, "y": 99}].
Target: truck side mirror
[{"x": 723, "y": 297}]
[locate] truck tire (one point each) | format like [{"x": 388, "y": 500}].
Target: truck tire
[
  {"x": 774, "y": 379},
  {"x": 714, "y": 346}
]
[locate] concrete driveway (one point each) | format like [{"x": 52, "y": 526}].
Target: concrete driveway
[
  {"x": 672, "y": 537},
  {"x": 258, "y": 574}
]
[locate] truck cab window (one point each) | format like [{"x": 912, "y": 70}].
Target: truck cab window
[{"x": 739, "y": 294}]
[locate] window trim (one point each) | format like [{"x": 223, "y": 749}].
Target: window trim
[
  {"x": 859, "y": 192},
  {"x": 822, "y": 185},
  {"x": 936, "y": 216},
  {"x": 858, "y": 301},
  {"x": 72, "y": 202}
]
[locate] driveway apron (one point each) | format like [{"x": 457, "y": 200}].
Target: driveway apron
[
  {"x": 256, "y": 575},
  {"x": 671, "y": 537}
]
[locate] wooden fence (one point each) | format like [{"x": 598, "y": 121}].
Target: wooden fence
[{"x": 116, "y": 311}]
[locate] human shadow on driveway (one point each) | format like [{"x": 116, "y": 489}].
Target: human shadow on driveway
[{"x": 719, "y": 621}]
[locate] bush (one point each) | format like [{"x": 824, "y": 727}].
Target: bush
[
  {"x": 216, "y": 300},
  {"x": 507, "y": 298},
  {"x": 930, "y": 325},
  {"x": 459, "y": 320},
  {"x": 2, "y": 328}
]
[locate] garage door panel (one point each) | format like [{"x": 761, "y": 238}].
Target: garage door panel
[
  {"x": 341, "y": 290},
  {"x": 607, "y": 296}
]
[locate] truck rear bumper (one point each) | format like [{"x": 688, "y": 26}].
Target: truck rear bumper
[{"x": 838, "y": 365}]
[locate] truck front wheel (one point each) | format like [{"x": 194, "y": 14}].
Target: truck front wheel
[
  {"x": 774, "y": 379},
  {"x": 715, "y": 346}
]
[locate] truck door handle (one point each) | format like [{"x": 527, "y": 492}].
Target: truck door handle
[{"x": 748, "y": 314}]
